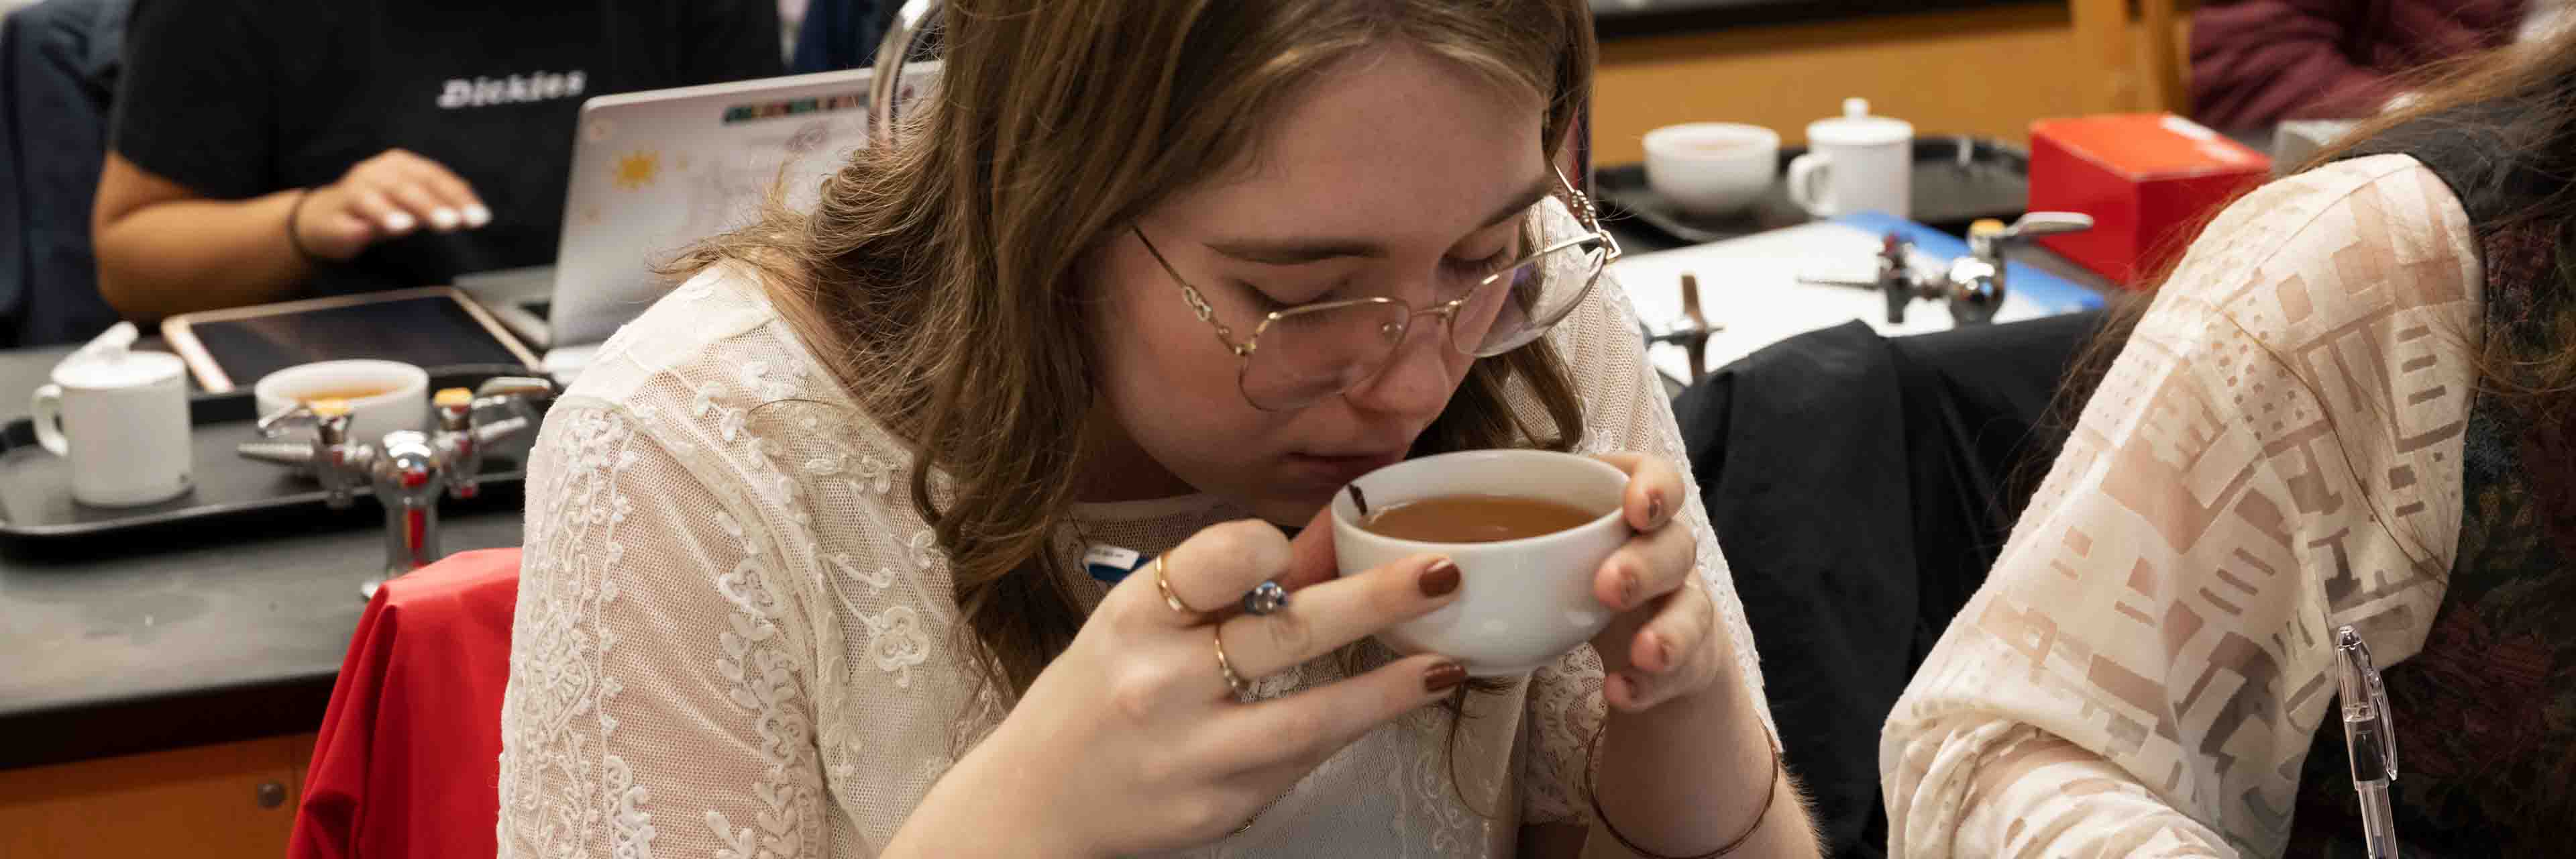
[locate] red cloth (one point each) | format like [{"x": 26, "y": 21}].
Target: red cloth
[
  {"x": 2258, "y": 62},
  {"x": 408, "y": 762}
]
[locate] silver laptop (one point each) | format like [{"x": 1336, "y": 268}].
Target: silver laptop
[{"x": 656, "y": 172}]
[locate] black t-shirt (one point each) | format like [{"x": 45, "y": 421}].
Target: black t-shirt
[{"x": 239, "y": 98}]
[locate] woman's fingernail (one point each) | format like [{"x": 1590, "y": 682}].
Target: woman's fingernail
[
  {"x": 399, "y": 222},
  {"x": 1628, "y": 588},
  {"x": 1663, "y": 654},
  {"x": 1440, "y": 578},
  {"x": 444, "y": 218},
  {"x": 1655, "y": 506},
  {"x": 1443, "y": 677},
  {"x": 476, "y": 215}
]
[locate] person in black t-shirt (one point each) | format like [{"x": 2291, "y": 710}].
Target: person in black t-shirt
[{"x": 263, "y": 150}]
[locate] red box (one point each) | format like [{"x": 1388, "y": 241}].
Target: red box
[{"x": 2145, "y": 178}]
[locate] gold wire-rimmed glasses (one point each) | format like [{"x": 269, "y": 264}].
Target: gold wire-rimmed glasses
[{"x": 1300, "y": 355}]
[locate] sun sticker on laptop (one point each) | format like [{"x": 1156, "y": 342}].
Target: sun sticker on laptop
[{"x": 637, "y": 170}]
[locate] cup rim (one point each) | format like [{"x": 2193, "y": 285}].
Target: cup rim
[
  {"x": 170, "y": 365},
  {"x": 1661, "y": 140},
  {"x": 415, "y": 380},
  {"x": 1614, "y": 515}
]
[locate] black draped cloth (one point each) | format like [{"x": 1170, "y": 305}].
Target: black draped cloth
[{"x": 1861, "y": 486}]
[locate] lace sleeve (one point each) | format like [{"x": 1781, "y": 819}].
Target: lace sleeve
[
  {"x": 1624, "y": 410},
  {"x": 2143, "y": 671},
  {"x": 657, "y": 699}
]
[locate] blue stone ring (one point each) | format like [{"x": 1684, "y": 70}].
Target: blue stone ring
[{"x": 1265, "y": 598}]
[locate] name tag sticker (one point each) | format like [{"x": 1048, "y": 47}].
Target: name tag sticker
[{"x": 1112, "y": 564}]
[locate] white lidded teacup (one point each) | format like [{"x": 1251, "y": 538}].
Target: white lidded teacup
[
  {"x": 1856, "y": 162},
  {"x": 1521, "y": 603},
  {"x": 121, "y": 419}
]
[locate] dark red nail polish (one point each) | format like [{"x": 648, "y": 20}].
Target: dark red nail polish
[
  {"x": 1439, "y": 579},
  {"x": 1443, "y": 677}
]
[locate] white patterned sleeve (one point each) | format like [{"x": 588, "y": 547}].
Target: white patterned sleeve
[
  {"x": 658, "y": 699},
  {"x": 1624, "y": 411},
  {"x": 2277, "y": 449}
]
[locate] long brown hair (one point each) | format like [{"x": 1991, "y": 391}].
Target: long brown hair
[
  {"x": 936, "y": 277},
  {"x": 2518, "y": 105}
]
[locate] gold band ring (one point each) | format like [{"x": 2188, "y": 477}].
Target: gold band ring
[
  {"x": 1225, "y": 666},
  {"x": 1165, "y": 585}
]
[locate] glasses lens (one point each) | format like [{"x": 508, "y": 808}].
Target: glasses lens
[
  {"x": 1517, "y": 306},
  {"x": 1312, "y": 353}
]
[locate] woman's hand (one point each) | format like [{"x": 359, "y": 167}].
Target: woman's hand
[
  {"x": 389, "y": 195},
  {"x": 1132, "y": 740},
  {"x": 1665, "y": 644},
  {"x": 1684, "y": 762}
]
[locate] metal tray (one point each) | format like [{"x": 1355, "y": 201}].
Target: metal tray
[
  {"x": 35, "y": 485},
  {"x": 1957, "y": 180}
]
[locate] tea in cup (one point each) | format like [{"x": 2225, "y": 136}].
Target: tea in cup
[
  {"x": 1528, "y": 529},
  {"x": 1474, "y": 518},
  {"x": 383, "y": 396}
]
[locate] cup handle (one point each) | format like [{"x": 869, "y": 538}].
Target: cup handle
[
  {"x": 48, "y": 411},
  {"x": 1807, "y": 173}
]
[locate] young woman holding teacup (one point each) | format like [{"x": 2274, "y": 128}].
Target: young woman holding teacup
[{"x": 804, "y": 570}]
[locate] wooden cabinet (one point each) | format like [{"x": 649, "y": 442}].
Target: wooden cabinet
[
  {"x": 1985, "y": 71},
  {"x": 219, "y": 802}
]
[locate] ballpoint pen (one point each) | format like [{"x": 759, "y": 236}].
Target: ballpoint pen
[{"x": 2369, "y": 738}]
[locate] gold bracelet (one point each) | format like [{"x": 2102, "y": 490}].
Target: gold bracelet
[{"x": 1592, "y": 790}]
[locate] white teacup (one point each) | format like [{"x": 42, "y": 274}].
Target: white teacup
[
  {"x": 1521, "y": 603},
  {"x": 383, "y": 396},
  {"x": 1712, "y": 169},
  {"x": 122, "y": 421}
]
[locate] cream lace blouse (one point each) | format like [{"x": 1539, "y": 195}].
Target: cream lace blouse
[
  {"x": 2278, "y": 452},
  {"x": 733, "y": 631}
]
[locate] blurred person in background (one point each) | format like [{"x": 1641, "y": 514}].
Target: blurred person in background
[
  {"x": 264, "y": 150},
  {"x": 2255, "y": 63},
  {"x": 59, "y": 62}
]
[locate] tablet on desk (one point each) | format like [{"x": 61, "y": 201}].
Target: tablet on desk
[{"x": 427, "y": 327}]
